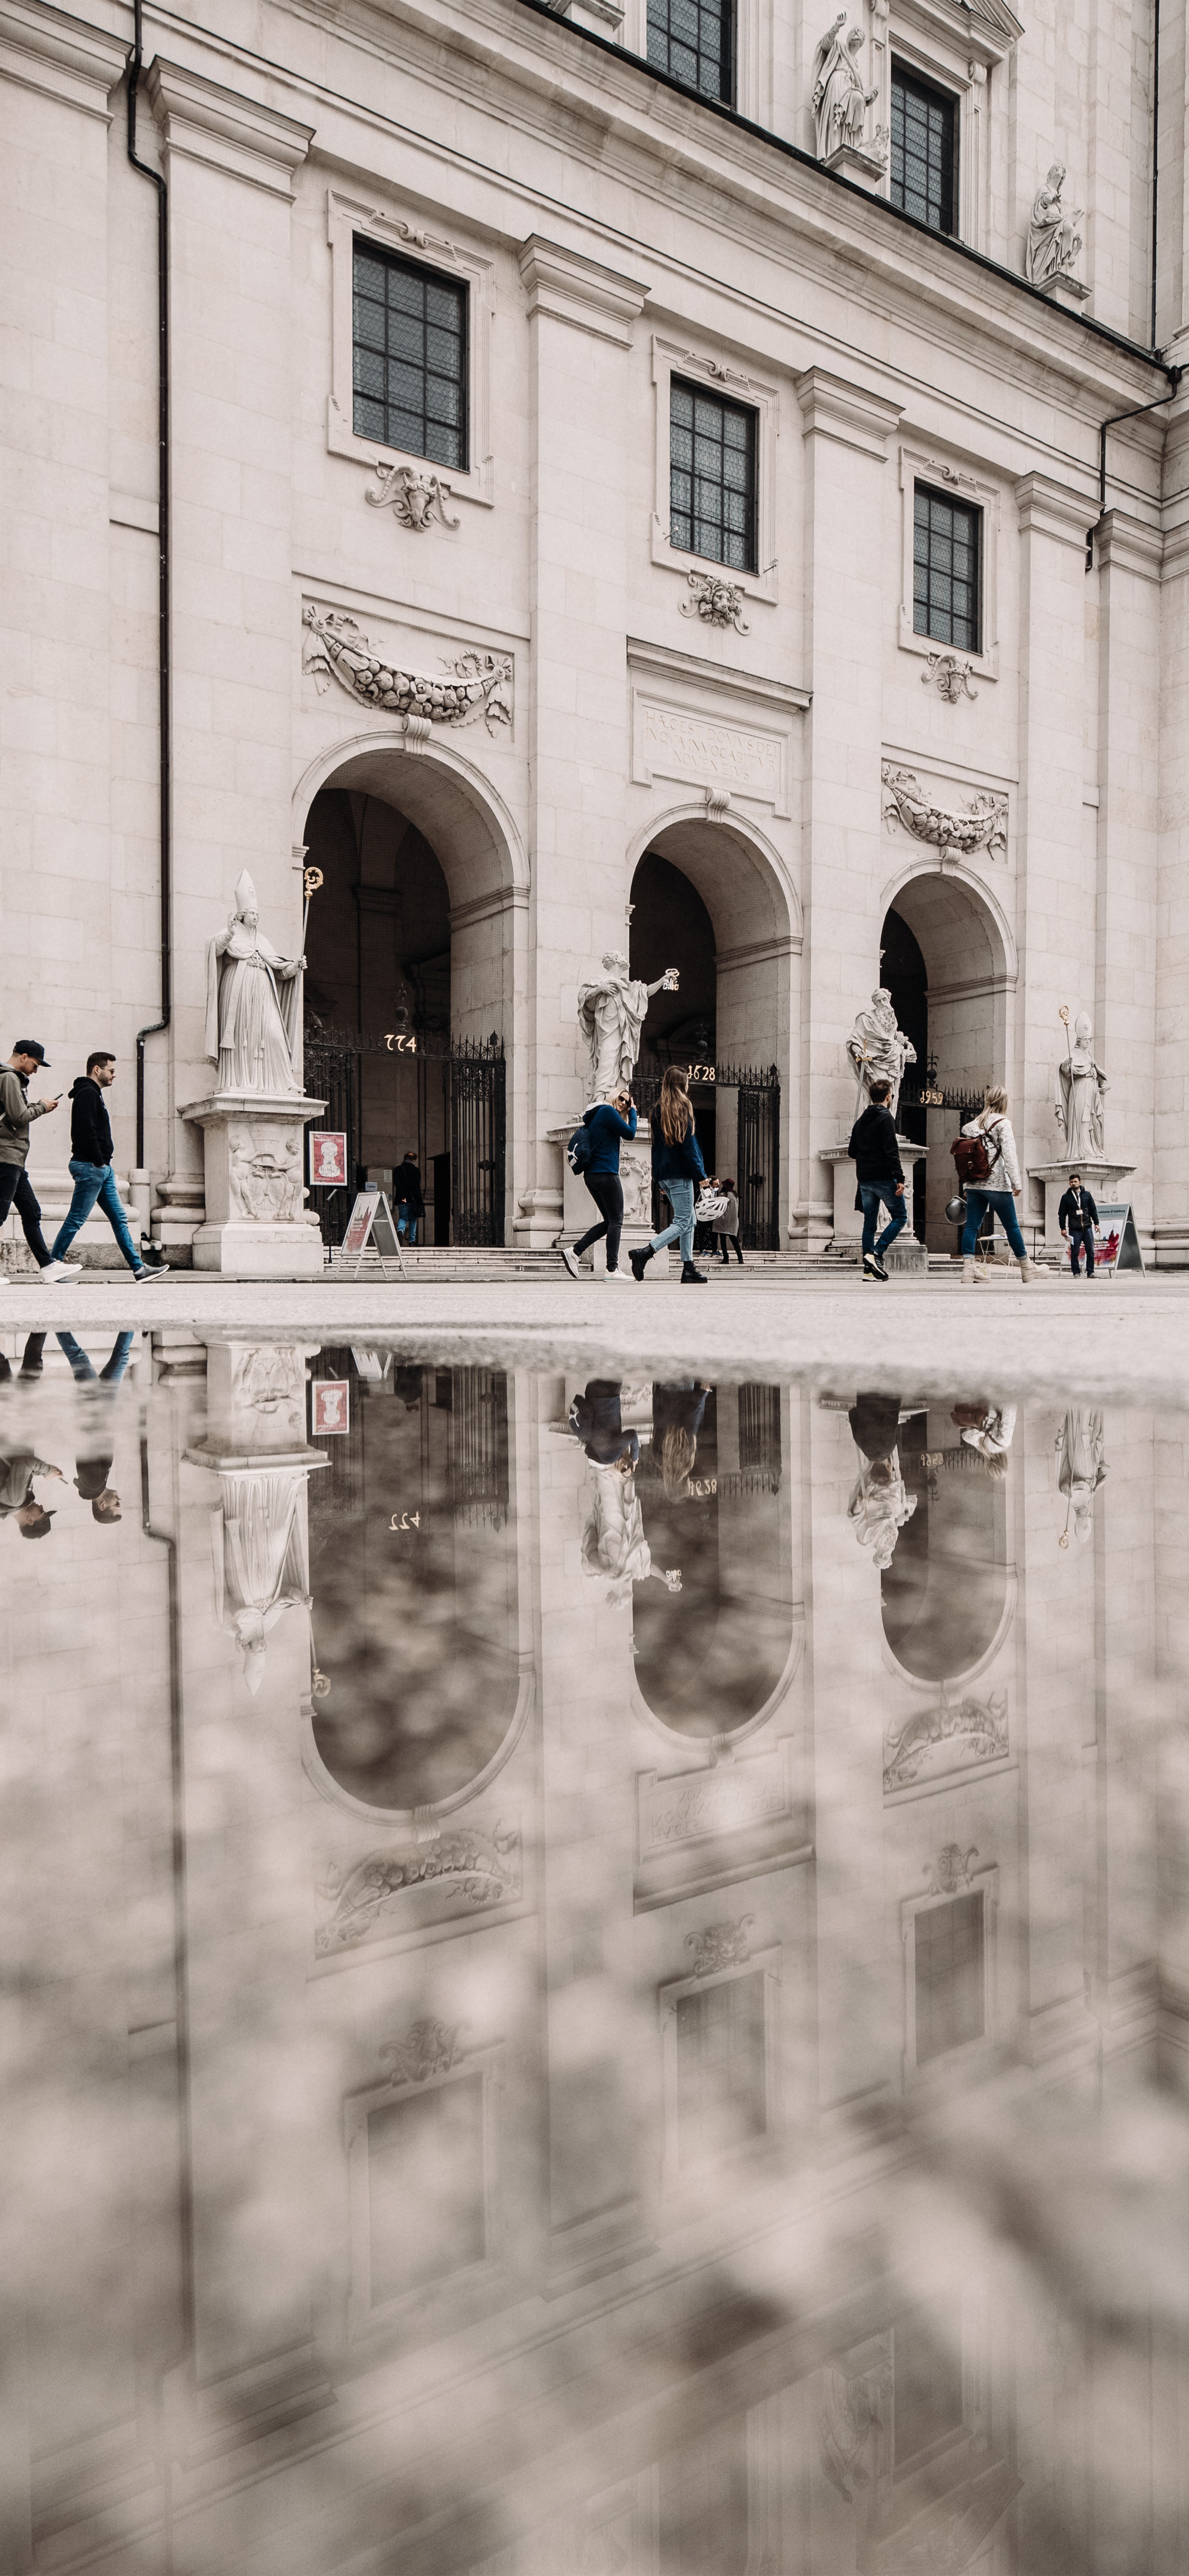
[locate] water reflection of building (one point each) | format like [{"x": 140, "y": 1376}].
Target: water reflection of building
[{"x": 545, "y": 2053}]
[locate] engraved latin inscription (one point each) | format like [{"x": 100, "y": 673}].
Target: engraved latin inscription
[{"x": 688, "y": 746}]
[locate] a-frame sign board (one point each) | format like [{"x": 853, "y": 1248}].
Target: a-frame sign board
[{"x": 372, "y": 1230}]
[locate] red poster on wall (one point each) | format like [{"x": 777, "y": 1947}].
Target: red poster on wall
[
  {"x": 328, "y": 1159},
  {"x": 330, "y": 1406}
]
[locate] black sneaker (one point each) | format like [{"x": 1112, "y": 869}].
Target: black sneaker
[{"x": 692, "y": 1277}]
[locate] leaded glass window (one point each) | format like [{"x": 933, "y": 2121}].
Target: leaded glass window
[
  {"x": 945, "y": 569},
  {"x": 924, "y": 154},
  {"x": 694, "y": 40},
  {"x": 712, "y": 477},
  {"x": 410, "y": 357}
]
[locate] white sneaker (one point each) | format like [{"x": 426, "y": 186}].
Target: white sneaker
[
  {"x": 618, "y": 1278},
  {"x": 570, "y": 1260},
  {"x": 55, "y": 1270}
]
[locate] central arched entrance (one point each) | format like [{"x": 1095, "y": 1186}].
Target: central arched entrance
[
  {"x": 710, "y": 897},
  {"x": 946, "y": 959},
  {"x": 410, "y": 978}
]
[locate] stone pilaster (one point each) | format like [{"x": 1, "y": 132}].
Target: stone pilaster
[
  {"x": 56, "y": 79},
  {"x": 1170, "y": 1166},
  {"x": 846, "y": 493},
  {"x": 229, "y": 161},
  {"x": 1128, "y": 552},
  {"x": 1054, "y": 829},
  {"x": 580, "y": 332}
]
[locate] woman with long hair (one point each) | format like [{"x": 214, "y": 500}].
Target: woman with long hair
[
  {"x": 678, "y": 1166},
  {"x": 999, "y": 1191}
]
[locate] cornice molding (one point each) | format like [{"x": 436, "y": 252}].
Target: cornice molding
[
  {"x": 43, "y": 49},
  {"x": 835, "y": 408},
  {"x": 1050, "y": 509},
  {"x": 580, "y": 291},
  {"x": 1129, "y": 545},
  {"x": 202, "y": 121},
  {"x": 725, "y": 679},
  {"x": 985, "y": 29}
]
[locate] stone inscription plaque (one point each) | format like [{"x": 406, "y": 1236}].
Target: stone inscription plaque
[{"x": 672, "y": 743}]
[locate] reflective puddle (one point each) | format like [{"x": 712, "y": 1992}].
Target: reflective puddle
[{"x": 597, "y": 1973}]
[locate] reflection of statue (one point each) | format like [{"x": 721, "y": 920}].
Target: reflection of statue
[
  {"x": 1080, "y": 1086},
  {"x": 253, "y": 1003},
  {"x": 613, "y": 1541},
  {"x": 1081, "y": 1468},
  {"x": 611, "y": 1015},
  {"x": 1053, "y": 245},
  {"x": 852, "y": 2412},
  {"x": 878, "y": 1048},
  {"x": 840, "y": 101},
  {"x": 878, "y": 1506},
  {"x": 261, "y": 1558}
]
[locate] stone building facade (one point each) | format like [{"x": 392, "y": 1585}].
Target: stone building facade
[{"x": 710, "y": 479}]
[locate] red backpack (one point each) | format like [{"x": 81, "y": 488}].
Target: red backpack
[{"x": 972, "y": 1162}]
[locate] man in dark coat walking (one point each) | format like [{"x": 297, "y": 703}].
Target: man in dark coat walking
[{"x": 879, "y": 1173}]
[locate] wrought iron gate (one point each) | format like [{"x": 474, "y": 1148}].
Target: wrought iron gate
[
  {"x": 474, "y": 1089},
  {"x": 475, "y": 1080},
  {"x": 757, "y": 1138}
]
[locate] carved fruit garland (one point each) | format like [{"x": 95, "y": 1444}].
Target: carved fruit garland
[
  {"x": 981, "y": 825},
  {"x": 474, "y": 685}
]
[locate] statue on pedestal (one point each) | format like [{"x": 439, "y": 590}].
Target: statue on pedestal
[
  {"x": 1080, "y": 1085},
  {"x": 253, "y": 1004},
  {"x": 1053, "y": 243},
  {"x": 839, "y": 101},
  {"x": 261, "y": 1563},
  {"x": 878, "y": 1049},
  {"x": 611, "y": 1015}
]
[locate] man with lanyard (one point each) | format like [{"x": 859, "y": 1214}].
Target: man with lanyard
[{"x": 1077, "y": 1217}]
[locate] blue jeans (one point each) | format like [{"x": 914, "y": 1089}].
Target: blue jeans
[
  {"x": 95, "y": 1186},
  {"x": 83, "y": 1367},
  {"x": 875, "y": 1194},
  {"x": 1002, "y": 1205},
  {"x": 680, "y": 1195},
  {"x": 1079, "y": 1235}
]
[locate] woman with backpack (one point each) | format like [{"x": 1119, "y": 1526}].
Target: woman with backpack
[
  {"x": 988, "y": 1169},
  {"x": 678, "y": 1166},
  {"x": 594, "y": 1151}
]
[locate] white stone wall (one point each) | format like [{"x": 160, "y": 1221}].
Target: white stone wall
[{"x": 610, "y": 231}]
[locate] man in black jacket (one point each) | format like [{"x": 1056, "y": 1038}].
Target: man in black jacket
[
  {"x": 880, "y": 1176},
  {"x": 1077, "y": 1217},
  {"x": 90, "y": 1164}
]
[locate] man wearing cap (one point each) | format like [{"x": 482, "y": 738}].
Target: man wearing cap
[
  {"x": 17, "y": 1113},
  {"x": 18, "y": 1502}
]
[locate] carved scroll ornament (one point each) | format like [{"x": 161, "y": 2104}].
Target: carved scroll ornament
[
  {"x": 472, "y": 686},
  {"x": 981, "y": 825},
  {"x": 413, "y": 497},
  {"x": 484, "y": 1868},
  {"x": 721, "y": 1945},
  {"x": 977, "y": 1728},
  {"x": 716, "y": 602}
]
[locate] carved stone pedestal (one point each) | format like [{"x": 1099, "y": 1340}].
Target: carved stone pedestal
[
  {"x": 908, "y": 1252},
  {"x": 1068, "y": 291},
  {"x": 866, "y": 163},
  {"x": 257, "y": 1225}
]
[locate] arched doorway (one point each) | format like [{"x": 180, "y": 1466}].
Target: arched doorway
[
  {"x": 945, "y": 958},
  {"x": 410, "y": 940},
  {"x": 710, "y": 897}
]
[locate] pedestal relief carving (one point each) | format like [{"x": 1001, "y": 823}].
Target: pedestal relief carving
[
  {"x": 473, "y": 686},
  {"x": 953, "y": 831}
]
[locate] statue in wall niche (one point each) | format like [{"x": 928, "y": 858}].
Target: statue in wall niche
[
  {"x": 611, "y": 1015},
  {"x": 878, "y": 1048},
  {"x": 1080, "y": 1448},
  {"x": 253, "y": 1003},
  {"x": 1053, "y": 243},
  {"x": 1081, "y": 1083},
  {"x": 840, "y": 102},
  {"x": 258, "y": 1542}
]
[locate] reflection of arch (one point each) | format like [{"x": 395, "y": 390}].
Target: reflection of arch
[
  {"x": 405, "y": 1817},
  {"x": 947, "y": 1598},
  {"x": 971, "y": 1672},
  {"x": 675, "y": 1736}
]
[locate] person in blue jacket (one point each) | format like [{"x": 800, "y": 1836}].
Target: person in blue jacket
[
  {"x": 677, "y": 1164},
  {"x": 607, "y": 1121}
]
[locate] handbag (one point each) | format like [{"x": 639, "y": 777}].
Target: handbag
[{"x": 710, "y": 1206}]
